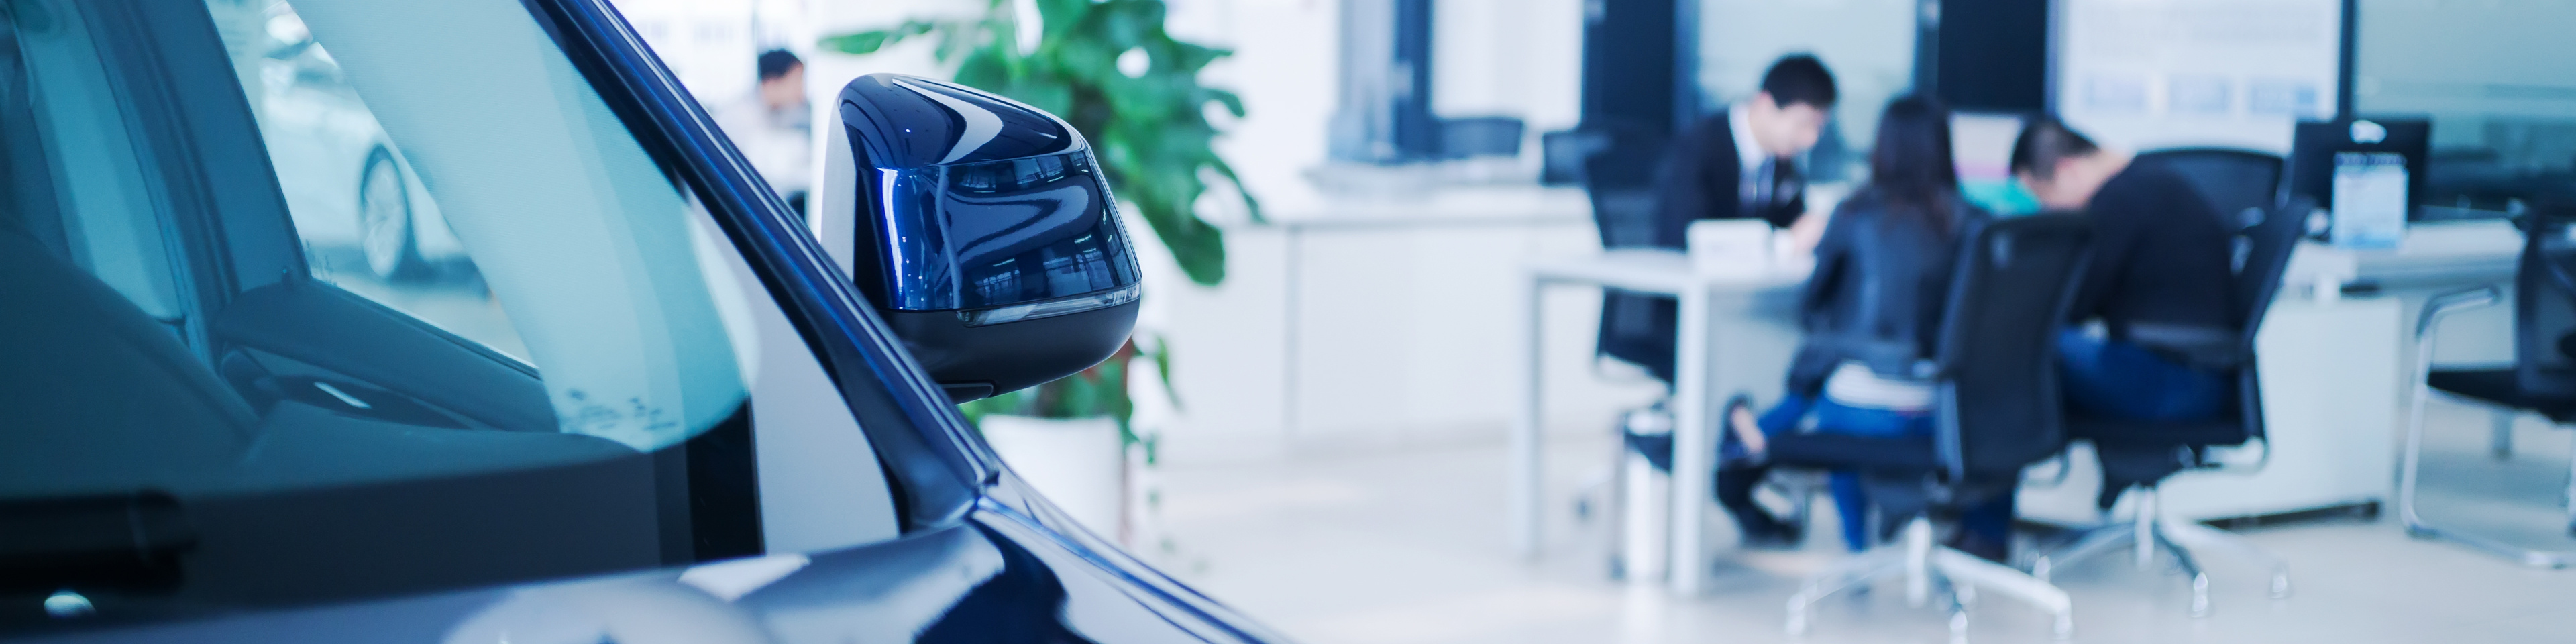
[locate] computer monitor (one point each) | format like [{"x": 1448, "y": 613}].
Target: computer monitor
[{"x": 2364, "y": 153}]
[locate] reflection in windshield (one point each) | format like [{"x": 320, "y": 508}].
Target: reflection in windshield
[{"x": 368, "y": 223}]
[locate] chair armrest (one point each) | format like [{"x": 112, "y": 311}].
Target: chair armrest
[
  {"x": 2440, "y": 306},
  {"x": 2201, "y": 346}
]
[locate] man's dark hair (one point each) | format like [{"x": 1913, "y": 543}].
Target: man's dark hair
[
  {"x": 2043, "y": 143},
  {"x": 776, "y": 63},
  {"x": 1799, "y": 79}
]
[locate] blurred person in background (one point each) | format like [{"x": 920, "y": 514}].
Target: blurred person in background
[
  {"x": 774, "y": 127},
  {"x": 1737, "y": 164},
  {"x": 2161, "y": 270},
  {"x": 2161, "y": 280},
  {"x": 1871, "y": 314},
  {"x": 1743, "y": 163}
]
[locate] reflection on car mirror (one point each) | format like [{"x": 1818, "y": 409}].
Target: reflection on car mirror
[{"x": 981, "y": 228}]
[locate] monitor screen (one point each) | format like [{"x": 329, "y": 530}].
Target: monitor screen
[{"x": 2369, "y": 164}]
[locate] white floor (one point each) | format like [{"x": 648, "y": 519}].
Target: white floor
[{"x": 1407, "y": 548}]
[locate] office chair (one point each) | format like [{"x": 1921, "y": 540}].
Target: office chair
[
  {"x": 1620, "y": 179},
  {"x": 2237, "y": 183},
  {"x": 1997, "y": 409},
  {"x": 2137, "y": 456},
  {"x": 2542, "y": 379}
]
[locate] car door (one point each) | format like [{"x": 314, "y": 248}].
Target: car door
[
  {"x": 697, "y": 436},
  {"x": 614, "y": 387}
]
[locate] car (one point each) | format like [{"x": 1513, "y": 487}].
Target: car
[
  {"x": 348, "y": 185},
  {"x": 661, "y": 411}
]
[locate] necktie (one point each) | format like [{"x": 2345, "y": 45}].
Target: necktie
[{"x": 1758, "y": 188}]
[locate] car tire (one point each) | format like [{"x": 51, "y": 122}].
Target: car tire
[{"x": 385, "y": 230}]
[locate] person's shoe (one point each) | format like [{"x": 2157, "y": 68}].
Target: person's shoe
[
  {"x": 1980, "y": 547},
  {"x": 1781, "y": 537},
  {"x": 1762, "y": 532}
]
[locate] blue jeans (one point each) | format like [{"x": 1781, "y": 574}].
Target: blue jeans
[
  {"x": 2113, "y": 379},
  {"x": 1849, "y": 499},
  {"x": 1991, "y": 520}
]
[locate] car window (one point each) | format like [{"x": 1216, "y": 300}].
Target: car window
[
  {"x": 367, "y": 223},
  {"x": 210, "y": 431}
]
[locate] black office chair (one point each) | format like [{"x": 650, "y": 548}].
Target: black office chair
[
  {"x": 2542, "y": 379},
  {"x": 2137, "y": 456},
  {"x": 1996, "y": 381},
  {"x": 1620, "y": 178},
  {"x": 2237, "y": 183}
]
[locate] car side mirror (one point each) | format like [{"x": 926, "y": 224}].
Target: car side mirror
[{"x": 982, "y": 230}]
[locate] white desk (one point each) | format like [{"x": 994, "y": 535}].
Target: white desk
[
  {"x": 1295, "y": 213},
  {"x": 1739, "y": 320}
]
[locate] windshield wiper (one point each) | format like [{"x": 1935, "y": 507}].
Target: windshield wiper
[{"x": 128, "y": 541}]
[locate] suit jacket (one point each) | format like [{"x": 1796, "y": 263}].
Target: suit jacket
[{"x": 1702, "y": 177}]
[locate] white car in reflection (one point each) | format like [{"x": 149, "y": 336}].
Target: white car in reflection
[{"x": 347, "y": 185}]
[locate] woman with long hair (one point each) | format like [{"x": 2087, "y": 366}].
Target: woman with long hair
[{"x": 1872, "y": 314}]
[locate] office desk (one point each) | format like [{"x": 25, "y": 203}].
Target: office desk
[
  {"x": 1298, "y": 213},
  {"x": 1740, "y": 321}
]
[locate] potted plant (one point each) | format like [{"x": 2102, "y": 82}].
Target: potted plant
[{"x": 1108, "y": 68}]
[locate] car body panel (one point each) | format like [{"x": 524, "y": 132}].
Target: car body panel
[{"x": 997, "y": 575}]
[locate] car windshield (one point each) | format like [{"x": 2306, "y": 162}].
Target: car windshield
[{"x": 336, "y": 299}]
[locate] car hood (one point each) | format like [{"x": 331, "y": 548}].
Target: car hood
[{"x": 1011, "y": 570}]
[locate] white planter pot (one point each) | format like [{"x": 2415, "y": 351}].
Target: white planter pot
[{"x": 1077, "y": 463}]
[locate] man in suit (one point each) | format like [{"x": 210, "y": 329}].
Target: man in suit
[{"x": 1736, "y": 164}]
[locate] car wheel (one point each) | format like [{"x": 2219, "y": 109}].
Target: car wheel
[{"x": 384, "y": 221}]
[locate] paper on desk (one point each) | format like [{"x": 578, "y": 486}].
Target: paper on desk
[{"x": 1730, "y": 246}]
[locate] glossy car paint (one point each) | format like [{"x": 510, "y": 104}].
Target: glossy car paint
[
  {"x": 973, "y": 201},
  {"x": 982, "y": 559}
]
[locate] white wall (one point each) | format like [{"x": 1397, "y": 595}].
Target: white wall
[{"x": 1521, "y": 58}]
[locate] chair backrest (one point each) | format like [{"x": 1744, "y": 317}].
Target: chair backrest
[
  {"x": 1999, "y": 397},
  {"x": 2544, "y": 304},
  {"x": 1620, "y": 178},
  {"x": 2240, "y": 184},
  {"x": 2268, "y": 245}
]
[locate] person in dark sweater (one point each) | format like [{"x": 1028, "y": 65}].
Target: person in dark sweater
[{"x": 2160, "y": 277}]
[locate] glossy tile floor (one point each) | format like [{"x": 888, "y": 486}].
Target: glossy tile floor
[{"x": 1407, "y": 548}]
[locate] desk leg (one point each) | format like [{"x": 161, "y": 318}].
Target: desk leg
[
  {"x": 1694, "y": 450},
  {"x": 1525, "y": 510}
]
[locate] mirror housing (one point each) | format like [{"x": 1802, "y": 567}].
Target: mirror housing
[{"x": 982, "y": 230}]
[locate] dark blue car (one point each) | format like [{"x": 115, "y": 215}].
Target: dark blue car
[{"x": 642, "y": 405}]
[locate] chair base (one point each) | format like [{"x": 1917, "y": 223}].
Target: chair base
[
  {"x": 2151, "y": 532},
  {"x": 2501, "y": 432},
  {"x": 1920, "y": 561}
]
